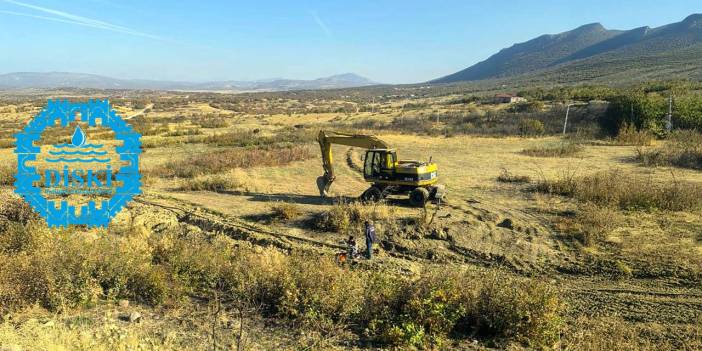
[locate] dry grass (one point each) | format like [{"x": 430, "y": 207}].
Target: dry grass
[
  {"x": 222, "y": 161},
  {"x": 346, "y": 217},
  {"x": 7, "y": 173},
  {"x": 507, "y": 177},
  {"x": 614, "y": 333},
  {"x": 216, "y": 182},
  {"x": 590, "y": 224},
  {"x": 60, "y": 270},
  {"x": 285, "y": 211},
  {"x": 626, "y": 191},
  {"x": 562, "y": 149},
  {"x": 630, "y": 136},
  {"x": 684, "y": 149}
]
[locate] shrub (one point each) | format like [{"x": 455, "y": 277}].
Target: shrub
[
  {"x": 531, "y": 127},
  {"x": 629, "y": 135},
  {"x": 285, "y": 211},
  {"x": 216, "y": 182},
  {"x": 562, "y": 149},
  {"x": 523, "y": 310},
  {"x": 638, "y": 110},
  {"x": 344, "y": 217},
  {"x": 7, "y": 173},
  {"x": 531, "y": 107}
]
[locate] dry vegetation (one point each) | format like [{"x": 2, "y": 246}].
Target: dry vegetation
[{"x": 543, "y": 242}]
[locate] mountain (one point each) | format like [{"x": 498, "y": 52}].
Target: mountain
[
  {"x": 592, "y": 52},
  {"x": 50, "y": 80}
]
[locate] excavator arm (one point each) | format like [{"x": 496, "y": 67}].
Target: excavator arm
[{"x": 327, "y": 139}]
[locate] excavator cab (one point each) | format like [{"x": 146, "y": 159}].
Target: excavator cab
[{"x": 379, "y": 164}]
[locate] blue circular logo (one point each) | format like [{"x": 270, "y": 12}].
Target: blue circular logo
[{"x": 79, "y": 169}]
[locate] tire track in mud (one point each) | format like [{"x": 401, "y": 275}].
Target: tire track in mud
[{"x": 240, "y": 230}]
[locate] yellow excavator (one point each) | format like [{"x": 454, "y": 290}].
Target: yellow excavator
[{"x": 382, "y": 169}]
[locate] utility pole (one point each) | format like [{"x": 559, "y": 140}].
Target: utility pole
[
  {"x": 565, "y": 123},
  {"x": 669, "y": 120}
]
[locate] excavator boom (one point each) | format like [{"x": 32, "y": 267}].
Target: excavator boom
[{"x": 327, "y": 139}]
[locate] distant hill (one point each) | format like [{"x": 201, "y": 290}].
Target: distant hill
[
  {"x": 51, "y": 80},
  {"x": 592, "y": 52}
]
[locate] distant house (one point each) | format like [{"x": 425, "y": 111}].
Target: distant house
[{"x": 507, "y": 98}]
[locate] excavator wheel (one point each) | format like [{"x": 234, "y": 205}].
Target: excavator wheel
[
  {"x": 418, "y": 197},
  {"x": 372, "y": 194}
]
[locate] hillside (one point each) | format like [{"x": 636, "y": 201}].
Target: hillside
[
  {"x": 592, "y": 52},
  {"x": 48, "y": 80}
]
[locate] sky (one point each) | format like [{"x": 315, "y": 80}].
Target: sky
[{"x": 394, "y": 41}]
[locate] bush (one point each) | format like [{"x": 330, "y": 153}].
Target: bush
[
  {"x": 349, "y": 217},
  {"x": 523, "y": 310},
  {"x": 644, "y": 112},
  {"x": 530, "y": 107},
  {"x": 7, "y": 173},
  {"x": 629, "y": 135},
  {"x": 531, "y": 127},
  {"x": 562, "y": 149},
  {"x": 285, "y": 211}
]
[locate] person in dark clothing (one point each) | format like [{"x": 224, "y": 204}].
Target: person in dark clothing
[
  {"x": 370, "y": 239},
  {"x": 352, "y": 248}
]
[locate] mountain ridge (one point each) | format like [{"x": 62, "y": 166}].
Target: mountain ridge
[
  {"x": 570, "y": 53},
  {"x": 53, "y": 80}
]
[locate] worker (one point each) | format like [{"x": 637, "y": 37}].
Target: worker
[
  {"x": 352, "y": 247},
  {"x": 370, "y": 239}
]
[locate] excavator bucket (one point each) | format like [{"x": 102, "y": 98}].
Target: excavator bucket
[{"x": 323, "y": 184}]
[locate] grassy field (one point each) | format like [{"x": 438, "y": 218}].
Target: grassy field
[{"x": 544, "y": 241}]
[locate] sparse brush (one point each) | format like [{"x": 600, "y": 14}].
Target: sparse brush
[
  {"x": 285, "y": 211},
  {"x": 213, "y": 123},
  {"x": 343, "y": 217},
  {"x": 222, "y": 161},
  {"x": 683, "y": 149},
  {"x": 629, "y": 135},
  {"x": 626, "y": 191},
  {"x": 216, "y": 182},
  {"x": 7, "y": 173},
  {"x": 562, "y": 149},
  {"x": 507, "y": 177},
  {"x": 590, "y": 224},
  {"x": 184, "y": 132}
]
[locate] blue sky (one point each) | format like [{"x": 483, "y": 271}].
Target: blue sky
[{"x": 387, "y": 41}]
